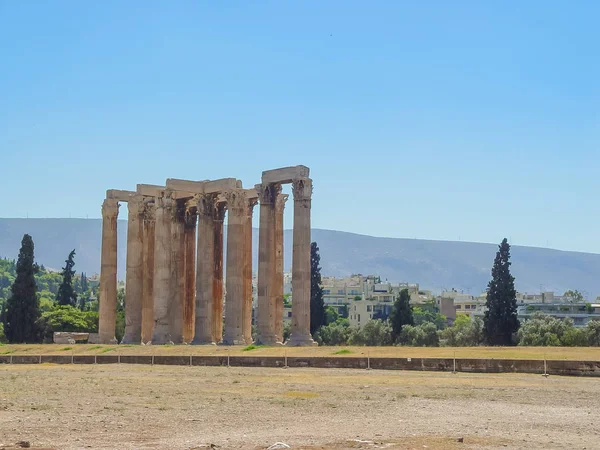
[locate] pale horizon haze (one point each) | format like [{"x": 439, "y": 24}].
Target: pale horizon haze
[{"x": 461, "y": 120}]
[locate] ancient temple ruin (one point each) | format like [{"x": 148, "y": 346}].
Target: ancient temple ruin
[{"x": 174, "y": 274}]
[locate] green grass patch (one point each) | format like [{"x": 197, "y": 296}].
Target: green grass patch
[
  {"x": 342, "y": 352},
  {"x": 7, "y": 352},
  {"x": 253, "y": 347},
  {"x": 108, "y": 349},
  {"x": 66, "y": 348},
  {"x": 126, "y": 345},
  {"x": 95, "y": 347}
]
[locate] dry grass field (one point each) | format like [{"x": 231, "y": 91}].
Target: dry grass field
[
  {"x": 168, "y": 407},
  {"x": 572, "y": 353}
]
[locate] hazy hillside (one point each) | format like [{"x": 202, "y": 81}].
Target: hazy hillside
[{"x": 433, "y": 264}]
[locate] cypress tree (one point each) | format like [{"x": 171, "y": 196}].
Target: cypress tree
[
  {"x": 500, "y": 319},
  {"x": 401, "y": 313},
  {"x": 317, "y": 306},
  {"x": 66, "y": 296},
  {"x": 84, "y": 283},
  {"x": 23, "y": 308}
]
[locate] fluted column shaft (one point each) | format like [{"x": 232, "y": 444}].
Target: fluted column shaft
[
  {"x": 148, "y": 284},
  {"x": 205, "y": 272},
  {"x": 162, "y": 268},
  {"x": 217, "y": 314},
  {"x": 134, "y": 279},
  {"x": 108, "y": 273},
  {"x": 176, "y": 298},
  {"x": 236, "y": 243},
  {"x": 266, "y": 265},
  {"x": 190, "y": 274},
  {"x": 300, "y": 336},
  {"x": 247, "y": 301},
  {"x": 278, "y": 284}
]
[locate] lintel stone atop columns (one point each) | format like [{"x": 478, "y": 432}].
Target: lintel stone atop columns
[
  {"x": 285, "y": 175},
  {"x": 203, "y": 187},
  {"x": 153, "y": 190},
  {"x": 119, "y": 195}
]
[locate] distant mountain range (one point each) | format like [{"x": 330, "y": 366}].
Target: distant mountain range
[{"x": 434, "y": 265}]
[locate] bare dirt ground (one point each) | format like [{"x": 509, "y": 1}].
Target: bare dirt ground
[
  {"x": 572, "y": 353},
  {"x": 162, "y": 407}
]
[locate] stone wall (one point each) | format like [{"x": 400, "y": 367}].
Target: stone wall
[{"x": 553, "y": 367}]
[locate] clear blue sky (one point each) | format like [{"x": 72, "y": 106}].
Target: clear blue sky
[{"x": 439, "y": 120}]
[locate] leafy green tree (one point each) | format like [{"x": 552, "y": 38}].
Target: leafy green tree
[
  {"x": 120, "y": 322},
  {"x": 67, "y": 318},
  {"x": 66, "y": 295},
  {"x": 422, "y": 316},
  {"x": 336, "y": 333},
  {"x": 331, "y": 315},
  {"x": 373, "y": 333},
  {"x": 343, "y": 311},
  {"x": 593, "y": 333},
  {"x": 500, "y": 319},
  {"x": 465, "y": 332},
  {"x": 425, "y": 335},
  {"x": 22, "y": 309},
  {"x": 317, "y": 306},
  {"x": 574, "y": 296},
  {"x": 401, "y": 313},
  {"x": 543, "y": 330}
]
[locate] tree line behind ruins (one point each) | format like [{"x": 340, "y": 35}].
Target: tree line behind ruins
[{"x": 36, "y": 302}]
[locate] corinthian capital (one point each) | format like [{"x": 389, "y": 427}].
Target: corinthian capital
[
  {"x": 165, "y": 200},
  {"x": 236, "y": 200},
  {"x": 136, "y": 206},
  {"x": 267, "y": 193},
  {"x": 302, "y": 189},
  {"x": 205, "y": 204},
  {"x": 110, "y": 208},
  {"x": 149, "y": 211}
]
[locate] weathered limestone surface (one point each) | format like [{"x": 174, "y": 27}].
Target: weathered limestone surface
[
  {"x": 266, "y": 334},
  {"x": 300, "y": 335},
  {"x": 203, "y": 187},
  {"x": 148, "y": 284},
  {"x": 205, "y": 271},
  {"x": 108, "y": 273},
  {"x": 62, "y": 337},
  {"x": 247, "y": 301},
  {"x": 278, "y": 284},
  {"x": 176, "y": 298},
  {"x": 135, "y": 271},
  {"x": 285, "y": 175},
  {"x": 237, "y": 207},
  {"x": 190, "y": 271},
  {"x": 162, "y": 267},
  {"x": 121, "y": 196},
  {"x": 217, "y": 314},
  {"x": 175, "y": 261}
]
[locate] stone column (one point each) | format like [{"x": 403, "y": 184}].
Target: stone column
[
  {"x": 134, "y": 281},
  {"x": 190, "y": 272},
  {"x": 162, "y": 267},
  {"x": 205, "y": 271},
  {"x": 148, "y": 285},
  {"x": 266, "y": 265},
  {"x": 302, "y": 190},
  {"x": 236, "y": 244},
  {"x": 108, "y": 273},
  {"x": 217, "y": 314},
  {"x": 176, "y": 298},
  {"x": 247, "y": 302},
  {"x": 278, "y": 283}
]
